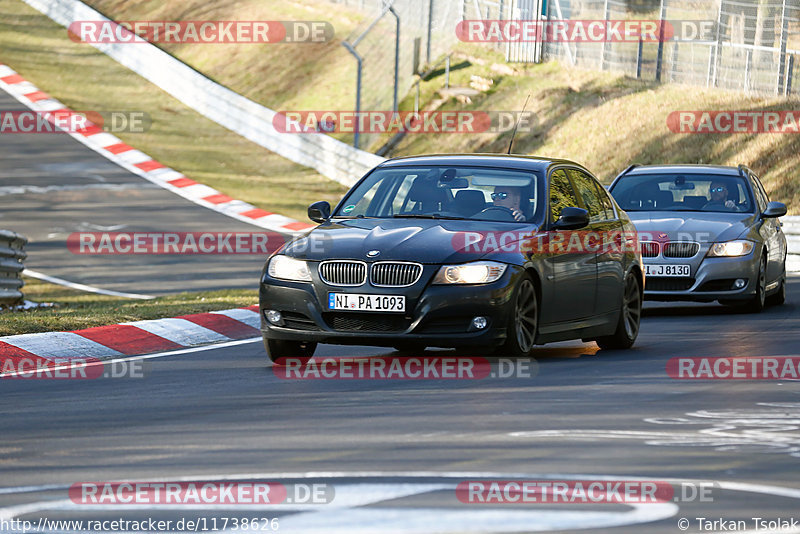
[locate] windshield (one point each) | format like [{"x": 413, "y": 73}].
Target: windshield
[
  {"x": 446, "y": 192},
  {"x": 683, "y": 192}
]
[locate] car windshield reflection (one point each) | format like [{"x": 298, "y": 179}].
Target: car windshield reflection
[
  {"x": 679, "y": 192},
  {"x": 445, "y": 192}
]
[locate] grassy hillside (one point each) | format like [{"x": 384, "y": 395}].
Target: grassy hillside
[
  {"x": 608, "y": 121},
  {"x": 605, "y": 121}
]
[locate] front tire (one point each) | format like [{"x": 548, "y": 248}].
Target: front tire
[
  {"x": 523, "y": 326},
  {"x": 630, "y": 317},
  {"x": 757, "y": 303},
  {"x": 779, "y": 297},
  {"x": 278, "y": 348}
]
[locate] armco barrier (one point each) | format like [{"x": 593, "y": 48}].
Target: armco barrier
[
  {"x": 791, "y": 227},
  {"x": 11, "y": 256},
  {"x": 330, "y": 157}
]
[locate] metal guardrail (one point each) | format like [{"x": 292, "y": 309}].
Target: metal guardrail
[
  {"x": 328, "y": 156},
  {"x": 11, "y": 267},
  {"x": 791, "y": 227}
]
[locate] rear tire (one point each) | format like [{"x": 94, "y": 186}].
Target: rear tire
[
  {"x": 278, "y": 348},
  {"x": 523, "y": 326},
  {"x": 630, "y": 317}
]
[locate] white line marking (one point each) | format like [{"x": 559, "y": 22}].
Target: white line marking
[
  {"x": 83, "y": 287},
  {"x": 40, "y": 190},
  {"x": 332, "y": 519}
]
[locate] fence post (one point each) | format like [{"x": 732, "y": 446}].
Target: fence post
[
  {"x": 639, "y": 60},
  {"x": 789, "y": 75},
  {"x": 747, "y": 66},
  {"x": 717, "y": 47},
  {"x": 447, "y": 72},
  {"x": 660, "y": 57},
  {"x": 606, "y": 15},
  {"x": 430, "y": 32},
  {"x": 359, "y": 61},
  {"x": 674, "y": 66},
  {"x": 782, "y": 55},
  {"x": 396, "y": 56}
]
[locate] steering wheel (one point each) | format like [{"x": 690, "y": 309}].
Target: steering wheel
[{"x": 504, "y": 213}]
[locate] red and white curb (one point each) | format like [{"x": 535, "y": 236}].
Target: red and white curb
[
  {"x": 139, "y": 163},
  {"x": 135, "y": 338}
]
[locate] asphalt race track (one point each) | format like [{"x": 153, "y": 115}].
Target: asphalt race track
[
  {"x": 392, "y": 452},
  {"x": 52, "y": 186}
]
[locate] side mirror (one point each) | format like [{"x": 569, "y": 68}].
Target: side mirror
[
  {"x": 774, "y": 209},
  {"x": 572, "y": 219},
  {"x": 319, "y": 212}
]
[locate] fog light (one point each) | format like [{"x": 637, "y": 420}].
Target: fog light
[
  {"x": 739, "y": 283},
  {"x": 274, "y": 317},
  {"x": 479, "y": 323}
]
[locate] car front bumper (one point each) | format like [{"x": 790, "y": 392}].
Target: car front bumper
[
  {"x": 436, "y": 315},
  {"x": 712, "y": 279}
]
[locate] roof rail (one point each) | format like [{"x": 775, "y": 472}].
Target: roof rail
[
  {"x": 629, "y": 169},
  {"x": 743, "y": 170}
]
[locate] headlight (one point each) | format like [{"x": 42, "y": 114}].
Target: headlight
[
  {"x": 479, "y": 272},
  {"x": 731, "y": 249},
  {"x": 287, "y": 268}
]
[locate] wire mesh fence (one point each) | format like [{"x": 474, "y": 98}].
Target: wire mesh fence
[
  {"x": 394, "y": 44},
  {"x": 748, "y": 45}
]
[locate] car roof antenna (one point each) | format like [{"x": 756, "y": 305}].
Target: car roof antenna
[{"x": 510, "y": 143}]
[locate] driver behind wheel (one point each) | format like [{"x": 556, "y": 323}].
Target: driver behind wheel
[
  {"x": 719, "y": 197},
  {"x": 509, "y": 198}
]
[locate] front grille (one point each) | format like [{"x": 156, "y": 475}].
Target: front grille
[
  {"x": 298, "y": 321},
  {"x": 649, "y": 249},
  {"x": 666, "y": 283},
  {"x": 366, "y": 322},
  {"x": 343, "y": 272},
  {"x": 726, "y": 284},
  {"x": 395, "y": 274},
  {"x": 681, "y": 249}
]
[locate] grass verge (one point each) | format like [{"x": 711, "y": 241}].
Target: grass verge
[{"x": 76, "y": 309}]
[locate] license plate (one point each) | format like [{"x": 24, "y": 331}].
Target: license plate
[
  {"x": 667, "y": 270},
  {"x": 360, "y": 302}
]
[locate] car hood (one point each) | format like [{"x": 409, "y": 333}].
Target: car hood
[
  {"x": 702, "y": 227},
  {"x": 419, "y": 240}
]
